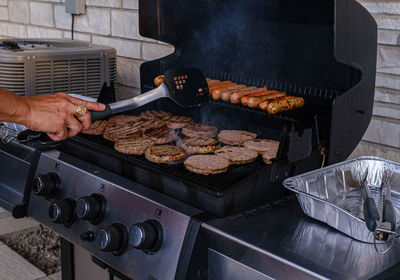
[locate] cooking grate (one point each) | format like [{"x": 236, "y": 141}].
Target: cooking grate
[
  {"x": 213, "y": 184},
  {"x": 292, "y": 116},
  {"x": 290, "y": 88},
  {"x": 317, "y": 100}
]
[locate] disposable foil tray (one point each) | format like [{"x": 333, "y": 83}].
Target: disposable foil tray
[{"x": 333, "y": 194}]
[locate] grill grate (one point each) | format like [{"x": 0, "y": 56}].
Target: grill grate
[
  {"x": 317, "y": 100},
  {"x": 292, "y": 116},
  {"x": 292, "y": 89}
]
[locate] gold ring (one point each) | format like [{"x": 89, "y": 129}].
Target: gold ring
[{"x": 80, "y": 111}]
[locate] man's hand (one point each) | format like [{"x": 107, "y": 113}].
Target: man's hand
[{"x": 53, "y": 114}]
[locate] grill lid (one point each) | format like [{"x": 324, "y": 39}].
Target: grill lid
[{"x": 322, "y": 50}]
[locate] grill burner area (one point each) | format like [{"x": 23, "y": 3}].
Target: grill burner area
[{"x": 243, "y": 186}]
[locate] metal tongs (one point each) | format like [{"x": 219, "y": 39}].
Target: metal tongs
[
  {"x": 386, "y": 227},
  {"x": 388, "y": 214},
  {"x": 371, "y": 214}
]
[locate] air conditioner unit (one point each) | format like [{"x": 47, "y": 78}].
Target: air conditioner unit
[{"x": 41, "y": 66}]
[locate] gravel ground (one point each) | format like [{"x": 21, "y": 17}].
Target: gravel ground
[{"x": 40, "y": 246}]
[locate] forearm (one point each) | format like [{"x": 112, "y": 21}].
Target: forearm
[
  {"x": 13, "y": 107},
  {"x": 54, "y": 114}
]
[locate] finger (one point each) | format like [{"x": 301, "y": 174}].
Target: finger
[
  {"x": 73, "y": 126},
  {"x": 59, "y": 135},
  {"x": 94, "y": 106},
  {"x": 52, "y": 136},
  {"x": 86, "y": 121},
  {"x": 62, "y": 94}
]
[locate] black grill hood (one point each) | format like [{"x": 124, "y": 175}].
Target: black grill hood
[{"x": 322, "y": 50}]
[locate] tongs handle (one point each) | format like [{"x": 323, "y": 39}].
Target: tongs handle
[
  {"x": 388, "y": 214},
  {"x": 371, "y": 214}
]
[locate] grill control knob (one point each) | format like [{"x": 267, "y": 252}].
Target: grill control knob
[
  {"x": 46, "y": 184},
  {"x": 146, "y": 236},
  {"x": 91, "y": 208},
  {"x": 112, "y": 239},
  {"x": 87, "y": 236},
  {"x": 62, "y": 212}
]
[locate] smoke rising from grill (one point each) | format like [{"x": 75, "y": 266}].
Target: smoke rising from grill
[{"x": 281, "y": 40}]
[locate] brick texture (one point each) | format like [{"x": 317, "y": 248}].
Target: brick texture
[
  {"x": 106, "y": 22},
  {"x": 18, "y": 11},
  {"x": 41, "y": 14},
  {"x": 383, "y": 135}
]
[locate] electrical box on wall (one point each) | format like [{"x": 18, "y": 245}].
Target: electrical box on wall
[{"x": 75, "y": 7}]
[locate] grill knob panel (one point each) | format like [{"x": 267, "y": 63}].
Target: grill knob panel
[
  {"x": 62, "y": 212},
  {"x": 46, "y": 184},
  {"x": 112, "y": 239},
  {"x": 91, "y": 208},
  {"x": 146, "y": 236}
]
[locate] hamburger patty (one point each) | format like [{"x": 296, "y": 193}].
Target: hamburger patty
[
  {"x": 199, "y": 130},
  {"x": 135, "y": 146},
  {"x": 268, "y": 155},
  {"x": 206, "y": 164},
  {"x": 262, "y": 145},
  {"x": 200, "y": 145},
  {"x": 237, "y": 155},
  {"x": 147, "y": 124},
  {"x": 122, "y": 119},
  {"x": 178, "y": 122},
  {"x": 96, "y": 128},
  {"x": 156, "y": 115},
  {"x": 164, "y": 153},
  {"x": 116, "y": 132},
  {"x": 235, "y": 137},
  {"x": 160, "y": 135}
]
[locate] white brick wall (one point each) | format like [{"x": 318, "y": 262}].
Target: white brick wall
[
  {"x": 115, "y": 23},
  {"x": 106, "y": 22},
  {"x": 125, "y": 24},
  {"x": 383, "y": 135},
  {"x": 41, "y": 14}
]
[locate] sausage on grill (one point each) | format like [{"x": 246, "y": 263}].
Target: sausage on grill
[
  {"x": 212, "y": 88},
  {"x": 217, "y": 94},
  {"x": 212, "y": 82},
  {"x": 245, "y": 99},
  {"x": 284, "y": 104},
  {"x": 217, "y": 82},
  {"x": 226, "y": 96},
  {"x": 236, "y": 96},
  {"x": 158, "y": 80},
  {"x": 264, "y": 105},
  {"x": 254, "y": 101}
]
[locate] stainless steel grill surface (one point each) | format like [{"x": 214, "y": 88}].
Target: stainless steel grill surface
[{"x": 152, "y": 227}]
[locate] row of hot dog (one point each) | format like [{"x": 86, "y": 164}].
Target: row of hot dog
[{"x": 272, "y": 101}]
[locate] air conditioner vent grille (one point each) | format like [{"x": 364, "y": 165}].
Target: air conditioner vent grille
[
  {"x": 79, "y": 76},
  {"x": 53, "y": 65},
  {"x": 12, "y": 76}
]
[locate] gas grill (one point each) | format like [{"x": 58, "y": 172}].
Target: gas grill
[{"x": 142, "y": 220}]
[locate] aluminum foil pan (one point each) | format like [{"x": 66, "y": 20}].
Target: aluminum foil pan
[
  {"x": 347, "y": 257},
  {"x": 333, "y": 194}
]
